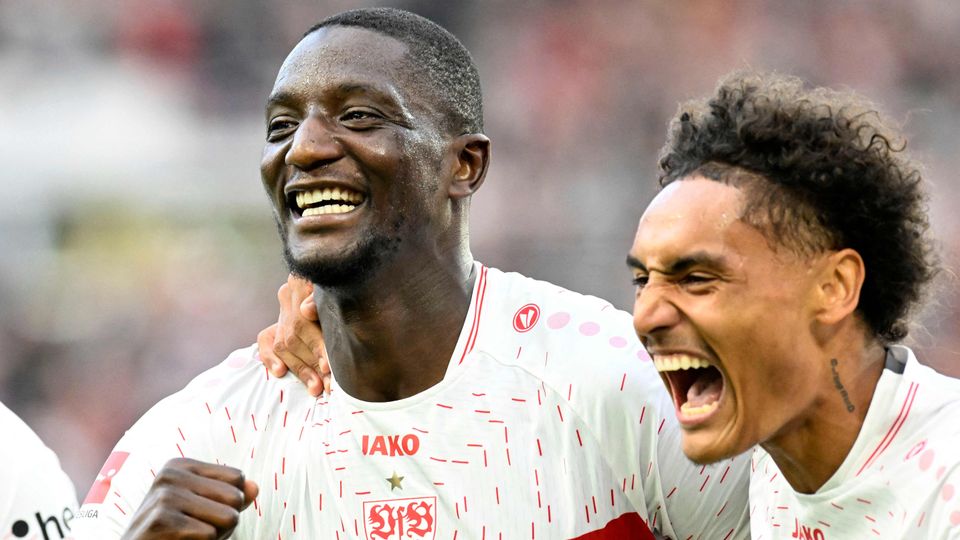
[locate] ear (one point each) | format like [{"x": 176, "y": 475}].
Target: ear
[
  {"x": 470, "y": 166},
  {"x": 839, "y": 286}
]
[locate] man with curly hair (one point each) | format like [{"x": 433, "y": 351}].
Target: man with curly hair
[{"x": 775, "y": 272}]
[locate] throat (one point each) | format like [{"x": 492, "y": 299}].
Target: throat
[{"x": 396, "y": 343}]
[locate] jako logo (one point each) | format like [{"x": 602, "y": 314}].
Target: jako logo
[
  {"x": 390, "y": 445},
  {"x": 806, "y": 533},
  {"x": 49, "y": 527},
  {"x": 526, "y": 318}
]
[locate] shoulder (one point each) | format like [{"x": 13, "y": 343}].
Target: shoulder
[
  {"x": 34, "y": 483},
  {"x": 228, "y": 396},
  {"x": 934, "y": 399},
  {"x": 581, "y": 350},
  {"x": 563, "y": 337}
]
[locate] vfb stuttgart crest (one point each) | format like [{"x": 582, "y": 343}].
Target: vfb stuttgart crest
[
  {"x": 407, "y": 519},
  {"x": 526, "y": 317}
]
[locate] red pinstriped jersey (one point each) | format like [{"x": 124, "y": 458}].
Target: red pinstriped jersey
[
  {"x": 550, "y": 423},
  {"x": 901, "y": 479}
]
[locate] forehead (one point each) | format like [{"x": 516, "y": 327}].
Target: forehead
[
  {"x": 341, "y": 53},
  {"x": 694, "y": 215}
]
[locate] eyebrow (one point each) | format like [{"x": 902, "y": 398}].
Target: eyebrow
[
  {"x": 284, "y": 97},
  {"x": 682, "y": 264}
]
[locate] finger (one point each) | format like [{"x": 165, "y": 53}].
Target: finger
[
  {"x": 250, "y": 492},
  {"x": 178, "y": 466},
  {"x": 327, "y": 383},
  {"x": 300, "y": 288},
  {"x": 221, "y": 516},
  {"x": 296, "y": 355},
  {"x": 308, "y": 309},
  {"x": 162, "y": 516},
  {"x": 265, "y": 349},
  {"x": 216, "y": 490}
]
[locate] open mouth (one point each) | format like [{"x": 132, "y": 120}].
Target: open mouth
[
  {"x": 696, "y": 385},
  {"x": 318, "y": 202}
]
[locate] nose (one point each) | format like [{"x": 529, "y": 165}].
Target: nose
[
  {"x": 653, "y": 312},
  {"x": 313, "y": 145}
]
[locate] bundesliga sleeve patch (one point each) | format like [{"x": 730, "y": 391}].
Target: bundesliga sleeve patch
[{"x": 98, "y": 492}]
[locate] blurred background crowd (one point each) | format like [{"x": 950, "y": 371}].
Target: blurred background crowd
[{"x": 139, "y": 248}]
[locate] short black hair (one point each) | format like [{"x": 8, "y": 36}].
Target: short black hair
[
  {"x": 821, "y": 170},
  {"x": 450, "y": 70}
]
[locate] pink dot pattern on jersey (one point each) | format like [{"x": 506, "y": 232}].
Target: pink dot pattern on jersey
[
  {"x": 926, "y": 459},
  {"x": 642, "y": 355},
  {"x": 947, "y": 492},
  {"x": 618, "y": 342},
  {"x": 236, "y": 361},
  {"x": 955, "y": 518},
  {"x": 558, "y": 320},
  {"x": 589, "y": 328}
]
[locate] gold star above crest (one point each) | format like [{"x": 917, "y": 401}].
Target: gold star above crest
[{"x": 395, "y": 481}]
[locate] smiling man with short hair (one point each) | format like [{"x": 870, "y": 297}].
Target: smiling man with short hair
[{"x": 461, "y": 407}]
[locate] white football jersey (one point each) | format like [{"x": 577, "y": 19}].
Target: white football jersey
[
  {"x": 37, "y": 499},
  {"x": 901, "y": 479},
  {"x": 551, "y": 422}
]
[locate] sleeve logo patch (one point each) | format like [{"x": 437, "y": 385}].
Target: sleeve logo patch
[
  {"x": 526, "y": 318},
  {"x": 101, "y": 486}
]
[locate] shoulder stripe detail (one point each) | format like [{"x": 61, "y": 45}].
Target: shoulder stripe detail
[
  {"x": 894, "y": 428},
  {"x": 477, "y": 309}
]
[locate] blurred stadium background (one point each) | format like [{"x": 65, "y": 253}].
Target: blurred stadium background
[{"x": 138, "y": 247}]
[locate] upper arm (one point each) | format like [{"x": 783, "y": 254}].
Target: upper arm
[{"x": 128, "y": 472}]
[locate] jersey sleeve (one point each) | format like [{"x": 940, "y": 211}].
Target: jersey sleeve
[
  {"x": 682, "y": 499},
  {"x": 699, "y": 501},
  {"x": 37, "y": 499},
  {"x": 129, "y": 471},
  {"x": 944, "y": 515},
  {"x": 186, "y": 424}
]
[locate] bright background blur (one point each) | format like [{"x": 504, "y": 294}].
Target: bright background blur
[{"x": 138, "y": 245}]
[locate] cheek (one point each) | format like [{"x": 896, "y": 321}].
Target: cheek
[{"x": 271, "y": 166}]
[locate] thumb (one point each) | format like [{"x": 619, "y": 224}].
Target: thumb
[{"x": 250, "y": 492}]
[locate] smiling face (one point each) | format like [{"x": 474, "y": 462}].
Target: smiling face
[
  {"x": 726, "y": 318},
  {"x": 354, "y": 157}
]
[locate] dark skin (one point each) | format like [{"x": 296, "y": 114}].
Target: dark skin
[
  {"x": 343, "y": 114},
  {"x": 403, "y": 159},
  {"x": 191, "y": 499}
]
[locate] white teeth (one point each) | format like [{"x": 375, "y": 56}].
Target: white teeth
[
  {"x": 676, "y": 362},
  {"x": 306, "y": 198},
  {"x": 329, "y": 209},
  {"x": 688, "y": 410}
]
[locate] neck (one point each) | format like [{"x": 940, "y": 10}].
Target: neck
[
  {"x": 393, "y": 337},
  {"x": 813, "y": 447}
]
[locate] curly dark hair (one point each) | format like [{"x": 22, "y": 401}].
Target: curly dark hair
[
  {"x": 821, "y": 170},
  {"x": 446, "y": 65}
]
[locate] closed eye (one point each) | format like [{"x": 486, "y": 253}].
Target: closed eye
[
  {"x": 697, "y": 283},
  {"x": 640, "y": 281}
]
